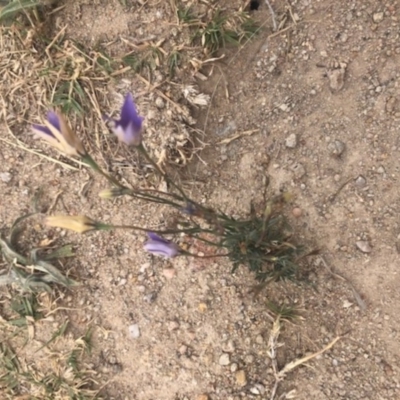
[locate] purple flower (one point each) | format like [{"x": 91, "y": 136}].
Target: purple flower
[
  {"x": 58, "y": 134},
  {"x": 160, "y": 246},
  {"x": 129, "y": 127}
]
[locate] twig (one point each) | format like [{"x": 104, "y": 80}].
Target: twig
[
  {"x": 271, "y": 10},
  {"x": 358, "y": 298},
  {"x": 238, "y": 135}
]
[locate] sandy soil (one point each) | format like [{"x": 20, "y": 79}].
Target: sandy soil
[{"x": 322, "y": 101}]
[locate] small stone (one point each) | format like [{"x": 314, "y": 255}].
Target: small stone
[
  {"x": 336, "y": 147},
  {"x": 160, "y": 102},
  {"x": 361, "y": 181},
  {"x": 298, "y": 170},
  {"x": 259, "y": 339},
  {"x": 284, "y": 107},
  {"x": 150, "y": 298},
  {"x": 203, "y": 397},
  {"x": 381, "y": 170},
  {"x": 202, "y": 307},
  {"x": 173, "y": 325},
  {"x": 5, "y": 177},
  {"x": 347, "y": 304},
  {"x": 134, "y": 331},
  {"x": 364, "y": 246},
  {"x": 241, "y": 378},
  {"x": 234, "y": 367},
  {"x": 378, "y": 17},
  {"x": 183, "y": 349},
  {"x": 224, "y": 360},
  {"x": 257, "y": 389},
  {"x": 297, "y": 212},
  {"x": 335, "y": 362},
  {"x": 291, "y": 141},
  {"x": 169, "y": 273}
]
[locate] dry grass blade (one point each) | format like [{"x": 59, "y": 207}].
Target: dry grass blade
[
  {"x": 293, "y": 364},
  {"x": 14, "y": 7}
]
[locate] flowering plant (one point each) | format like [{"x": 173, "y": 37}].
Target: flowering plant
[{"x": 260, "y": 242}]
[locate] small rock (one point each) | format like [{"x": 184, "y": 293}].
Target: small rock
[
  {"x": 5, "y": 177},
  {"x": 291, "y": 141},
  {"x": 241, "y": 378},
  {"x": 361, "y": 181},
  {"x": 284, "y": 107},
  {"x": 381, "y": 170},
  {"x": 257, "y": 389},
  {"x": 173, "y": 325},
  {"x": 364, "y": 246},
  {"x": 378, "y": 17},
  {"x": 150, "y": 298},
  {"x": 336, "y": 78},
  {"x": 298, "y": 170},
  {"x": 202, "y": 307},
  {"x": 297, "y": 212},
  {"x": 336, "y": 147},
  {"x": 259, "y": 339},
  {"x": 169, "y": 273},
  {"x": 134, "y": 331},
  {"x": 183, "y": 349},
  {"x": 347, "y": 304},
  {"x": 224, "y": 360},
  {"x": 203, "y": 397},
  {"x": 160, "y": 102},
  {"x": 234, "y": 367}
]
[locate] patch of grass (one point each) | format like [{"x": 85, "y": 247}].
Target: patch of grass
[
  {"x": 10, "y": 10},
  {"x": 223, "y": 29},
  {"x": 70, "y": 379}
]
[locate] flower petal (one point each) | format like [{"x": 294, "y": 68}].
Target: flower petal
[
  {"x": 54, "y": 120},
  {"x": 129, "y": 114},
  {"x": 153, "y": 236},
  {"x": 167, "y": 250},
  {"x": 42, "y": 129}
]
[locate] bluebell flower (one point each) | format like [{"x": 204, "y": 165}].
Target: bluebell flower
[
  {"x": 161, "y": 247},
  {"x": 129, "y": 127},
  {"x": 58, "y": 134}
]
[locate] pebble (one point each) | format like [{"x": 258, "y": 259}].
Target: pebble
[
  {"x": 224, "y": 359},
  {"x": 173, "y": 325},
  {"x": 160, "y": 102},
  {"x": 241, "y": 378},
  {"x": 336, "y": 147},
  {"x": 257, "y": 389},
  {"x": 297, "y": 212},
  {"x": 234, "y": 367},
  {"x": 169, "y": 273},
  {"x": 203, "y": 397},
  {"x": 381, "y": 170},
  {"x": 298, "y": 170},
  {"x": 5, "y": 177},
  {"x": 378, "y": 17},
  {"x": 364, "y": 246},
  {"x": 134, "y": 331},
  {"x": 361, "y": 181},
  {"x": 291, "y": 141}
]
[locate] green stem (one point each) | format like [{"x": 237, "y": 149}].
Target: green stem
[
  {"x": 161, "y": 173},
  {"x": 107, "y": 227}
]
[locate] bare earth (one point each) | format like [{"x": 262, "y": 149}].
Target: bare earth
[{"x": 317, "y": 111}]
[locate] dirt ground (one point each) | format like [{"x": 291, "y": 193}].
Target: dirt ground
[{"x": 315, "y": 107}]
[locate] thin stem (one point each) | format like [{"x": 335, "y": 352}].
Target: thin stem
[
  {"x": 105, "y": 227},
  {"x": 87, "y": 159},
  {"x": 161, "y": 173},
  {"x": 187, "y": 253}
]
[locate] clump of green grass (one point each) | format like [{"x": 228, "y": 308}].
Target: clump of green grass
[
  {"x": 223, "y": 29},
  {"x": 10, "y": 10}
]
